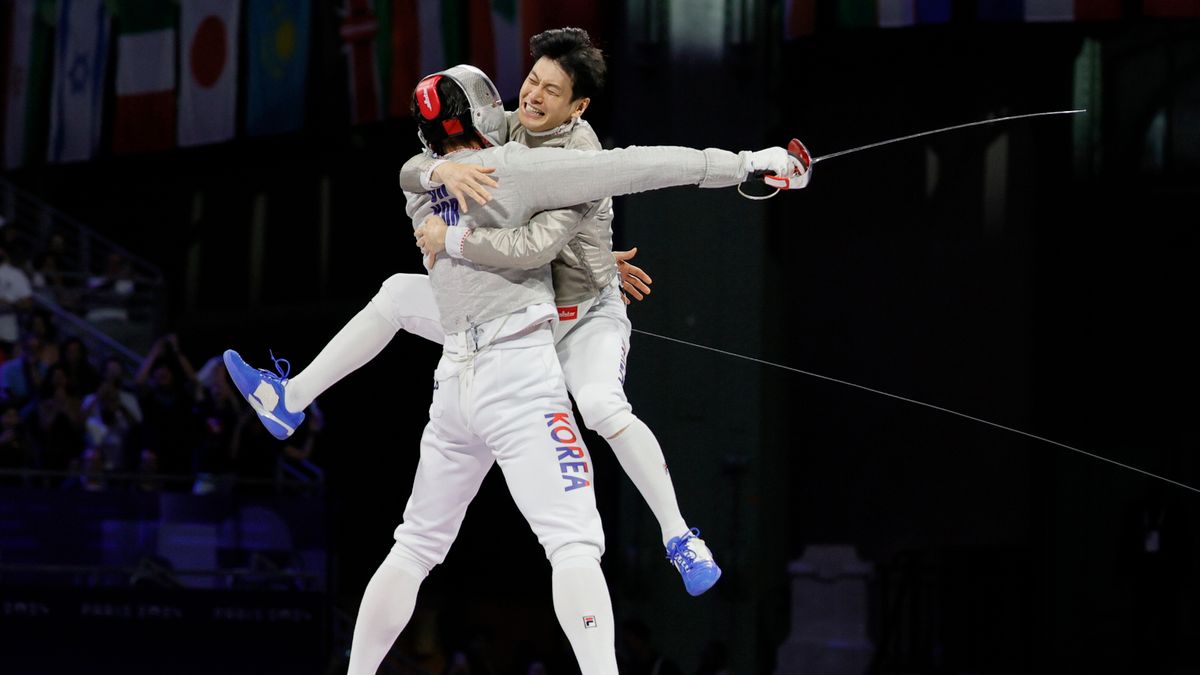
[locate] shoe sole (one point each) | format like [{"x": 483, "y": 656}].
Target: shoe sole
[
  {"x": 707, "y": 582},
  {"x": 234, "y": 364}
]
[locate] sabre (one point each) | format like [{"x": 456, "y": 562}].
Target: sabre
[{"x": 797, "y": 150}]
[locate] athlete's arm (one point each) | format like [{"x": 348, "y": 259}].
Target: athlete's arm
[
  {"x": 424, "y": 172},
  {"x": 548, "y": 178},
  {"x": 527, "y": 247}
]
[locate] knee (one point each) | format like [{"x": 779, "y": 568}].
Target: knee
[
  {"x": 575, "y": 555},
  {"x": 394, "y": 295},
  {"x": 604, "y": 409},
  {"x": 399, "y": 285},
  {"x": 403, "y": 557}
]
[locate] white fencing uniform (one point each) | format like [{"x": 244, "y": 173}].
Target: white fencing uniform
[{"x": 500, "y": 392}]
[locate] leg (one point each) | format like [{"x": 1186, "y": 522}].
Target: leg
[
  {"x": 451, "y": 468},
  {"x": 593, "y": 360},
  {"x": 404, "y": 302},
  {"x": 523, "y": 413}
]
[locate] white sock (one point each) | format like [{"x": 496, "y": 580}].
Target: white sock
[
  {"x": 359, "y": 341},
  {"x": 386, "y": 607},
  {"x": 585, "y": 613},
  {"x": 642, "y": 459}
]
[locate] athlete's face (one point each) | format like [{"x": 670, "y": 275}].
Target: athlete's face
[{"x": 546, "y": 97}]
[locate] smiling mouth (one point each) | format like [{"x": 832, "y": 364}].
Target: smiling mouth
[{"x": 532, "y": 111}]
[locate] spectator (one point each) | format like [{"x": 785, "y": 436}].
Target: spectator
[
  {"x": 114, "y": 374},
  {"x": 59, "y": 419},
  {"x": 21, "y": 376},
  {"x": 166, "y": 385},
  {"x": 49, "y": 282},
  {"x": 220, "y": 406},
  {"x": 87, "y": 472},
  {"x": 42, "y": 326},
  {"x": 295, "y": 460},
  {"x": 111, "y": 429},
  {"x": 78, "y": 365},
  {"x": 109, "y": 293},
  {"x": 16, "y": 296},
  {"x": 17, "y": 448}
]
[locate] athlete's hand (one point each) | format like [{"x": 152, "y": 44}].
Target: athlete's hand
[
  {"x": 799, "y": 169},
  {"x": 431, "y": 238},
  {"x": 634, "y": 281},
  {"x": 771, "y": 160},
  {"x": 465, "y": 180}
]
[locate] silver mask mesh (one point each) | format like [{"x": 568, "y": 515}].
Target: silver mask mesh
[{"x": 487, "y": 110}]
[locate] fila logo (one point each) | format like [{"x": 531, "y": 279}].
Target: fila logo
[
  {"x": 568, "y": 313},
  {"x": 589, "y": 622},
  {"x": 428, "y": 104}
]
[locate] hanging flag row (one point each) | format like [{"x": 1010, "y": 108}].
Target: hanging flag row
[
  {"x": 158, "y": 103},
  {"x": 389, "y": 44},
  {"x": 176, "y": 64},
  {"x": 800, "y": 16}
]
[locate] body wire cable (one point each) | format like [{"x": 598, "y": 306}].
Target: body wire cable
[{"x": 920, "y": 403}]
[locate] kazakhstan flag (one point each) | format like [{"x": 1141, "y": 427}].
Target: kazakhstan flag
[{"x": 277, "y": 77}]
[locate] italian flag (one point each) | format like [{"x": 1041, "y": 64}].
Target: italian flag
[
  {"x": 145, "y": 110},
  {"x": 26, "y": 86}
]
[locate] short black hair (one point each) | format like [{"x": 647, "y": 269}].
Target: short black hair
[
  {"x": 573, "y": 51},
  {"x": 454, "y": 103}
]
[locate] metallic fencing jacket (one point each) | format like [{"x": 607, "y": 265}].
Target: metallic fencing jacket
[
  {"x": 581, "y": 267},
  {"x": 532, "y": 180}
]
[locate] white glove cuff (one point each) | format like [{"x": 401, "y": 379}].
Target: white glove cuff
[
  {"x": 427, "y": 181},
  {"x": 456, "y": 236}
]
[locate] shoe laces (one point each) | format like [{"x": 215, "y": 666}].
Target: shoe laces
[
  {"x": 679, "y": 553},
  {"x": 283, "y": 374}
]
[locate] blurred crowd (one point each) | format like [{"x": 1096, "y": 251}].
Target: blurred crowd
[
  {"x": 80, "y": 420},
  {"x": 91, "y": 425}
]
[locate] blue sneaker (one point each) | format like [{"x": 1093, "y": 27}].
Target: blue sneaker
[
  {"x": 690, "y": 555},
  {"x": 264, "y": 391}
]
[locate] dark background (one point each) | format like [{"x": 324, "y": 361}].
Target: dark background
[{"x": 1059, "y": 301}]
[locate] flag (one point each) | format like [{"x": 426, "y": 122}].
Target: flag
[
  {"x": 1094, "y": 10},
  {"x": 81, "y": 59},
  {"x": 799, "y": 18},
  {"x": 208, "y": 76},
  {"x": 404, "y": 56},
  {"x": 358, "y": 30},
  {"x": 857, "y": 13},
  {"x": 1045, "y": 11},
  {"x": 1001, "y": 10},
  {"x": 27, "y": 44},
  {"x": 498, "y": 43},
  {"x": 511, "y": 47},
  {"x": 277, "y": 65},
  {"x": 145, "y": 110},
  {"x": 1171, "y": 8},
  {"x": 438, "y": 36},
  {"x": 896, "y": 13},
  {"x": 933, "y": 11}
]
